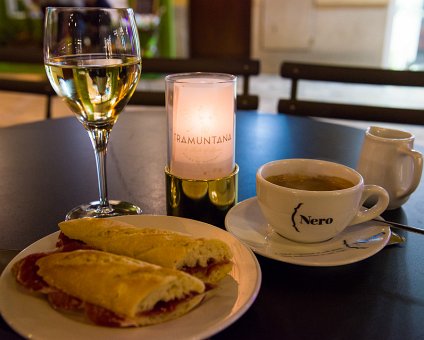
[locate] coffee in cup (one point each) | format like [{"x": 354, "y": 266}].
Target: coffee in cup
[
  {"x": 311, "y": 183},
  {"x": 310, "y": 200}
]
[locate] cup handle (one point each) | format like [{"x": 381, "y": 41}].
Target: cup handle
[
  {"x": 367, "y": 214},
  {"x": 417, "y": 158}
]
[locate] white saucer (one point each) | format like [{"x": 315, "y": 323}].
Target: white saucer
[{"x": 355, "y": 243}]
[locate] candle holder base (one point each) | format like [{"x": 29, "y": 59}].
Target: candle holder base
[{"x": 203, "y": 200}]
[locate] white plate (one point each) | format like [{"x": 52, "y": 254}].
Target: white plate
[
  {"x": 32, "y": 317},
  {"x": 355, "y": 243}
]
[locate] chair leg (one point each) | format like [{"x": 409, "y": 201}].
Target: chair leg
[{"x": 48, "y": 108}]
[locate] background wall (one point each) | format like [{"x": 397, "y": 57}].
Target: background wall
[
  {"x": 304, "y": 30},
  {"x": 361, "y": 32}
]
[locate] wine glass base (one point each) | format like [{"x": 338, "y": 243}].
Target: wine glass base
[{"x": 116, "y": 208}]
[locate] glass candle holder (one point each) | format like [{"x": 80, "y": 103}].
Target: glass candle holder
[{"x": 201, "y": 145}]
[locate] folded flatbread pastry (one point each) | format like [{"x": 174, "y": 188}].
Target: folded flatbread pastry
[
  {"x": 112, "y": 290},
  {"x": 207, "y": 259}
]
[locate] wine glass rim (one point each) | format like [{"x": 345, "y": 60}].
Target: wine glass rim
[{"x": 76, "y": 8}]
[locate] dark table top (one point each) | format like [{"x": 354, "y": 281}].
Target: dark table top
[{"x": 47, "y": 168}]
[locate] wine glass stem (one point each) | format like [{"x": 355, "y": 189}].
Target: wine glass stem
[{"x": 99, "y": 139}]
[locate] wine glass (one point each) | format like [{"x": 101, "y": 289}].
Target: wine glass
[{"x": 93, "y": 61}]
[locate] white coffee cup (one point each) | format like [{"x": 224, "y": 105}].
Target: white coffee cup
[
  {"x": 310, "y": 215},
  {"x": 387, "y": 159}
]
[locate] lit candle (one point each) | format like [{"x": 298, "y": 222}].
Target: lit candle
[{"x": 201, "y": 114}]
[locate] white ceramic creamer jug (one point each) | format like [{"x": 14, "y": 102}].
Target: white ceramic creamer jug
[{"x": 387, "y": 159}]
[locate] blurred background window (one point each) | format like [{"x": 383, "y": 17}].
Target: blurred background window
[{"x": 21, "y": 22}]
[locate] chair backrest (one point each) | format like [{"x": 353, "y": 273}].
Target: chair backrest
[
  {"x": 162, "y": 66},
  {"x": 354, "y": 75},
  {"x": 25, "y": 55},
  {"x": 158, "y": 66}
]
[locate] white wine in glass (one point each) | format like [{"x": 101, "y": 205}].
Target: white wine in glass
[{"x": 93, "y": 61}]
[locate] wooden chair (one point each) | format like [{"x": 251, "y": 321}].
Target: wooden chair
[
  {"x": 163, "y": 66},
  {"x": 355, "y": 75},
  {"x": 157, "y": 66},
  {"x": 27, "y": 56}
]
